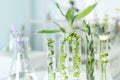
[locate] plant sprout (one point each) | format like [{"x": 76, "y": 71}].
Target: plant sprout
[
  {"x": 90, "y": 52},
  {"x": 51, "y": 62}
]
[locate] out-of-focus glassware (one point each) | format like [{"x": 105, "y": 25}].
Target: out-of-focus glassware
[{"x": 21, "y": 68}]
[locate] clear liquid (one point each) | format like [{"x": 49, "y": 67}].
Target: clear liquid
[{"x": 23, "y": 76}]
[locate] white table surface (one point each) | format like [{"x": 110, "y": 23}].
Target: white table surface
[{"x": 38, "y": 60}]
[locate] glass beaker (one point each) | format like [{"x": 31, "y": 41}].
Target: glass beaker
[{"x": 21, "y": 68}]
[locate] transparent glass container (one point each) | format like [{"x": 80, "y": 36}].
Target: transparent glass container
[
  {"x": 104, "y": 53},
  {"x": 21, "y": 68}
]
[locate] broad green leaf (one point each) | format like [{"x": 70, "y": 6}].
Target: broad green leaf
[
  {"x": 85, "y": 12},
  {"x": 48, "y": 31},
  {"x": 59, "y": 9},
  {"x": 61, "y": 28},
  {"x": 70, "y": 15}
]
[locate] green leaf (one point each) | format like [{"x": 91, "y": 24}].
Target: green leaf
[
  {"x": 50, "y": 63},
  {"x": 87, "y": 27},
  {"x": 91, "y": 45},
  {"x": 59, "y": 9},
  {"x": 61, "y": 28},
  {"x": 77, "y": 27},
  {"x": 89, "y": 30},
  {"x": 87, "y": 39},
  {"x": 85, "y": 12},
  {"x": 70, "y": 15},
  {"x": 48, "y": 31},
  {"x": 84, "y": 24}
]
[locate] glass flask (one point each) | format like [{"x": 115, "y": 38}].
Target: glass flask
[{"x": 21, "y": 68}]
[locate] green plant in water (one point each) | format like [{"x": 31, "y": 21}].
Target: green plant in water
[
  {"x": 51, "y": 58},
  {"x": 72, "y": 38},
  {"x": 90, "y": 52},
  {"x": 76, "y": 56},
  {"x": 104, "y": 47},
  {"x": 103, "y": 59}
]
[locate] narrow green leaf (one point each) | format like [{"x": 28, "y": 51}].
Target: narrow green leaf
[
  {"x": 75, "y": 28},
  {"x": 84, "y": 24},
  {"x": 70, "y": 15},
  {"x": 61, "y": 28},
  {"x": 85, "y": 12},
  {"x": 87, "y": 39},
  {"x": 89, "y": 30},
  {"x": 91, "y": 45},
  {"x": 50, "y": 63},
  {"x": 87, "y": 27},
  {"x": 48, "y": 31},
  {"x": 59, "y": 9}
]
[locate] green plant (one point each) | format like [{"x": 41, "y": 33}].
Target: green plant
[
  {"x": 104, "y": 26},
  {"x": 71, "y": 38},
  {"x": 103, "y": 58},
  {"x": 76, "y": 56},
  {"x": 51, "y": 62},
  {"x": 104, "y": 46},
  {"x": 90, "y": 52},
  {"x": 70, "y": 16}
]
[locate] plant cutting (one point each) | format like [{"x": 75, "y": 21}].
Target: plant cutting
[
  {"x": 76, "y": 57},
  {"x": 104, "y": 47},
  {"x": 51, "y": 60},
  {"x": 90, "y": 52},
  {"x": 71, "y": 39}
]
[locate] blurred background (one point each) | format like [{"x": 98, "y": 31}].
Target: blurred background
[{"x": 30, "y": 16}]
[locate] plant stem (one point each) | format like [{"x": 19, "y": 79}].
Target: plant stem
[
  {"x": 103, "y": 58},
  {"x": 70, "y": 28},
  {"x": 103, "y": 71},
  {"x": 90, "y": 58}
]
